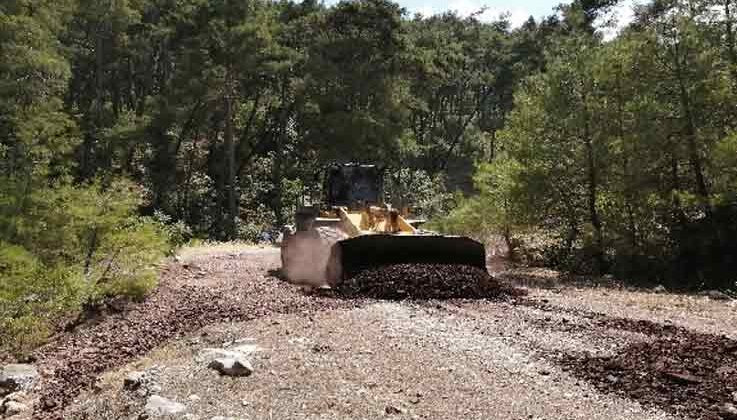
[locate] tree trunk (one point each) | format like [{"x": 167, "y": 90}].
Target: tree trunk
[
  {"x": 91, "y": 248},
  {"x": 731, "y": 50},
  {"x": 592, "y": 192},
  {"x": 565, "y": 251},
  {"x": 678, "y": 215},
  {"x": 230, "y": 178},
  {"x": 694, "y": 158}
]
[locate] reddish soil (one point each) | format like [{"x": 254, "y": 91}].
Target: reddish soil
[
  {"x": 677, "y": 370},
  {"x": 190, "y": 296},
  {"x": 423, "y": 281}
]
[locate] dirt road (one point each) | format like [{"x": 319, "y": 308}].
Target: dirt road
[{"x": 560, "y": 353}]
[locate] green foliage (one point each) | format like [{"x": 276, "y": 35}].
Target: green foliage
[
  {"x": 353, "y": 83},
  {"x": 725, "y": 168},
  {"x": 72, "y": 246},
  {"x": 33, "y": 297},
  {"x": 499, "y": 208},
  {"x": 178, "y": 233},
  {"x": 35, "y": 134},
  {"x": 427, "y": 196},
  {"x": 623, "y": 152}
]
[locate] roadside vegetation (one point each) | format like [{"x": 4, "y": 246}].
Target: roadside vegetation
[
  {"x": 130, "y": 127},
  {"x": 621, "y": 155},
  {"x": 72, "y": 247}
]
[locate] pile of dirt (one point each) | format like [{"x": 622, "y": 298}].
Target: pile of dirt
[
  {"x": 690, "y": 374},
  {"x": 423, "y": 281}
]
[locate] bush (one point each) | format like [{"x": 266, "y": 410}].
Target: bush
[
  {"x": 498, "y": 209},
  {"x": 415, "y": 188},
  {"x": 70, "y": 246},
  {"x": 32, "y": 297},
  {"x": 178, "y": 233}
]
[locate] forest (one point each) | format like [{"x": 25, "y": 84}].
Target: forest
[{"x": 131, "y": 127}]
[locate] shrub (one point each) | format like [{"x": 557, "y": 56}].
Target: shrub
[
  {"x": 32, "y": 297},
  {"x": 417, "y": 189},
  {"x": 178, "y": 233},
  {"x": 69, "y": 246}
]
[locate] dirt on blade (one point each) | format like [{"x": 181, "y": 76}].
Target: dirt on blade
[
  {"x": 200, "y": 291},
  {"x": 423, "y": 281}
]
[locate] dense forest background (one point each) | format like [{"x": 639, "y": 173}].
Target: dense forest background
[{"x": 129, "y": 127}]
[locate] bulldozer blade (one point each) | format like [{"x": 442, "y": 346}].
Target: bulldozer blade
[
  {"x": 368, "y": 251},
  {"x": 307, "y": 256}
]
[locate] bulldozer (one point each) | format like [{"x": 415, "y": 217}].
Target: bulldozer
[{"x": 355, "y": 229}]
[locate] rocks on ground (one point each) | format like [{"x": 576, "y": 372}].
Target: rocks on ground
[
  {"x": 392, "y": 409},
  {"x": 16, "y": 377},
  {"x": 728, "y": 411},
  {"x": 236, "y": 289},
  {"x": 14, "y": 404},
  {"x": 229, "y": 362},
  {"x": 144, "y": 383},
  {"x": 660, "y": 289},
  {"x": 715, "y": 295},
  {"x": 13, "y": 408},
  {"x": 158, "y": 406},
  {"x": 237, "y": 366},
  {"x": 134, "y": 380},
  {"x": 678, "y": 368}
]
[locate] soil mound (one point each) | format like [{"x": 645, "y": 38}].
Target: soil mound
[{"x": 423, "y": 281}]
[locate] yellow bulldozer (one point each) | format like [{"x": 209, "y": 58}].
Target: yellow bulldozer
[{"x": 355, "y": 229}]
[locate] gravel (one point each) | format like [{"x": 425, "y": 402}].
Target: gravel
[
  {"x": 193, "y": 293},
  {"x": 679, "y": 370},
  {"x": 439, "y": 352},
  {"x": 431, "y": 360}
]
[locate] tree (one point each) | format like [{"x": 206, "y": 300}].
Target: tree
[
  {"x": 461, "y": 83},
  {"x": 353, "y": 82}
]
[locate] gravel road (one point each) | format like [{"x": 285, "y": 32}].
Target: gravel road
[{"x": 562, "y": 352}]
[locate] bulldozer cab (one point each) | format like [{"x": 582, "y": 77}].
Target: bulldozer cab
[{"x": 354, "y": 186}]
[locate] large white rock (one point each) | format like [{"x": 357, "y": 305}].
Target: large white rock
[
  {"x": 134, "y": 380},
  {"x": 210, "y": 354},
  {"x": 158, "y": 406},
  {"x": 238, "y": 351},
  {"x": 728, "y": 411},
  {"x": 13, "y": 408},
  {"x": 246, "y": 349},
  {"x": 16, "y": 377}
]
